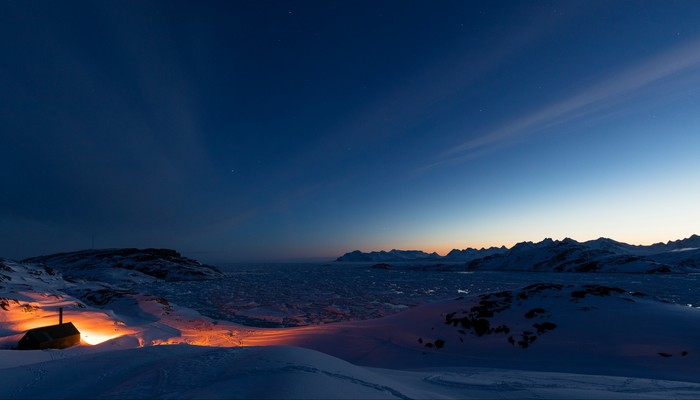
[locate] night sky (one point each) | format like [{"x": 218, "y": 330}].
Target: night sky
[{"x": 263, "y": 130}]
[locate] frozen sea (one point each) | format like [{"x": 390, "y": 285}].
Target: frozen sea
[{"x": 298, "y": 294}]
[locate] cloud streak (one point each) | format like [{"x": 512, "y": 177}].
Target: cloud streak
[{"x": 600, "y": 96}]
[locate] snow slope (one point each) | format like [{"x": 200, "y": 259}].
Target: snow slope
[
  {"x": 588, "y": 329},
  {"x": 183, "y": 371}
]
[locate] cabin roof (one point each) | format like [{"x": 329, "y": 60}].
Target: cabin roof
[{"x": 51, "y": 332}]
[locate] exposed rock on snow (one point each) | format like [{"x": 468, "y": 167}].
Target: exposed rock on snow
[{"x": 477, "y": 320}]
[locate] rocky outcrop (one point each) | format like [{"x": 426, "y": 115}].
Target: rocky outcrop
[{"x": 156, "y": 263}]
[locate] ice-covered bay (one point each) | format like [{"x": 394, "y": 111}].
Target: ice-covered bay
[{"x": 276, "y": 295}]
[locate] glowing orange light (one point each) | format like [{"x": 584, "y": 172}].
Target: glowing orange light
[
  {"x": 97, "y": 327},
  {"x": 35, "y": 310}
]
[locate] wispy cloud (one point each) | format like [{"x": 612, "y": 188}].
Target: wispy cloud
[{"x": 600, "y": 96}]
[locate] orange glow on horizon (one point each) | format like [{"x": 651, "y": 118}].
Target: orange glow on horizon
[{"x": 444, "y": 247}]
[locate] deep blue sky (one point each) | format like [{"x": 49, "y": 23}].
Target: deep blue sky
[{"x": 264, "y": 130}]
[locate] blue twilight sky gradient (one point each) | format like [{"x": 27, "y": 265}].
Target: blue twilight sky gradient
[{"x": 269, "y": 130}]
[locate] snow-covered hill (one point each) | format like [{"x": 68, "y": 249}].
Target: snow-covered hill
[
  {"x": 589, "y": 329},
  {"x": 385, "y": 256},
  {"x": 127, "y": 265},
  {"x": 31, "y": 295}
]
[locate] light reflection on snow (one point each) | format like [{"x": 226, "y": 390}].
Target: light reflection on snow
[
  {"x": 684, "y": 249},
  {"x": 34, "y": 310}
]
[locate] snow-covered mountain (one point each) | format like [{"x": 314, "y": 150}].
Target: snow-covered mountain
[
  {"x": 128, "y": 265},
  {"x": 567, "y": 255},
  {"x": 472, "y": 254},
  {"x": 600, "y": 255},
  {"x": 417, "y": 255}
]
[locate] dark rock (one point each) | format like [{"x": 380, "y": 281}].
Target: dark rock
[
  {"x": 541, "y": 287},
  {"x": 501, "y": 329},
  {"x": 482, "y": 311},
  {"x": 5, "y": 267},
  {"x": 660, "y": 270},
  {"x": 588, "y": 267},
  {"x": 5, "y": 303},
  {"x": 578, "y": 294},
  {"x": 481, "y": 326},
  {"x": 103, "y": 297},
  {"x": 544, "y": 327},
  {"x": 534, "y": 312}
]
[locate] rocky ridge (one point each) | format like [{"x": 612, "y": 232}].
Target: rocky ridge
[{"x": 127, "y": 265}]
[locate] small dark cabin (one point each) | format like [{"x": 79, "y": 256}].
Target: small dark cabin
[{"x": 51, "y": 337}]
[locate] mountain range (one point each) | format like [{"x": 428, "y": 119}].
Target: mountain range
[
  {"x": 418, "y": 255},
  {"x": 567, "y": 255}
]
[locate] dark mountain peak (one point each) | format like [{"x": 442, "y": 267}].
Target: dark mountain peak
[{"x": 417, "y": 255}]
